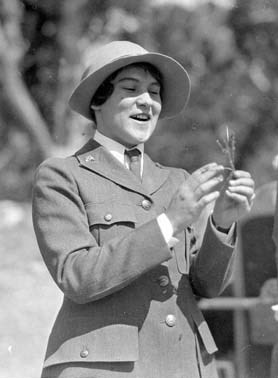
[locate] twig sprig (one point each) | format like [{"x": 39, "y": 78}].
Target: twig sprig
[{"x": 228, "y": 147}]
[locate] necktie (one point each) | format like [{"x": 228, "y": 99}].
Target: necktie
[{"x": 134, "y": 160}]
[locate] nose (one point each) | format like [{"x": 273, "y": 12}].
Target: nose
[{"x": 144, "y": 99}]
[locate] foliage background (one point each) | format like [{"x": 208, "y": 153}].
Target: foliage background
[{"x": 231, "y": 55}]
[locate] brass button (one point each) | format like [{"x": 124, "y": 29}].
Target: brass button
[
  {"x": 163, "y": 281},
  {"x": 108, "y": 217},
  {"x": 146, "y": 204},
  {"x": 84, "y": 353},
  {"x": 170, "y": 320}
]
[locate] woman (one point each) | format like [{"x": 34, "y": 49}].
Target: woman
[{"x": 128, "y": 241}]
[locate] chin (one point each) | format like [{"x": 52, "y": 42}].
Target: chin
[
  {"x": 141, "y": 140},
  {"x": 133, "y": 140},
  {"x": 143, "y": 137}
]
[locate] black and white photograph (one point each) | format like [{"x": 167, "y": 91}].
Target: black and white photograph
[{"x": 138, "y": 189}]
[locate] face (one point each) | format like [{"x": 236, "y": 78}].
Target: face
[{"x": 130, "y": 114}]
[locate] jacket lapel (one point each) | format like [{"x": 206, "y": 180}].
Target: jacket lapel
[
  {"x": 154, "y": 175},
  {"x": 96, "y": 158}
]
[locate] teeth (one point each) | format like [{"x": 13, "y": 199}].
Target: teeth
[{"x": 142, "y": 117}]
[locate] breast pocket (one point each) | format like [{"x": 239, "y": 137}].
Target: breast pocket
[{"x": 108, "y": 220}]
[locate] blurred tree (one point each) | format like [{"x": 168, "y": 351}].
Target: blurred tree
[
  {"x": 42, "y": 47},
  {"x": 255, "y": 29},
  {"x": 202, "y": 41},
  {"x": 19, "y": 106},
  {"x": 230, "y": 55},
  {"x": 24, "y": 132},
  {"x": 232, "y": 84}
]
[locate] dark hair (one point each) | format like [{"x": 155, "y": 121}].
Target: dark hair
[{"x": 105, "y": 90}]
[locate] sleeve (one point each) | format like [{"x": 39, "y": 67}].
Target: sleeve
[
  {"x": 226, "y": 238},
  {"x": 211, "y": 261},
  {"x": 82, "y": 269}
]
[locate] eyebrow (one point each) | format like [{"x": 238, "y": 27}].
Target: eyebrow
[{"x": 137, "y": 80}]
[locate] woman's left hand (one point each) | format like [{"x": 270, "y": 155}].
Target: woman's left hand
[{"x": 235, "y": 200}]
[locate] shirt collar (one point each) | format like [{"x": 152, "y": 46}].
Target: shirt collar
[{"x": 116, "y": 148}]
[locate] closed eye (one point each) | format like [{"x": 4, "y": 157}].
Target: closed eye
[
  {"x": 129, "y": 89},
  {"x": 155, "y": 92}
]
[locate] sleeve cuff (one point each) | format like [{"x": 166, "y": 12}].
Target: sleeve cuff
[
  {"x": 167, "y": 230},
  {"x": 226, "y": 238}
]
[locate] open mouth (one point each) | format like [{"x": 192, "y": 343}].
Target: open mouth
[{"x": 142, "y": 117}]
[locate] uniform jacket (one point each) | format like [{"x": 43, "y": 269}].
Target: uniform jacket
[{"x": 130, "y": 302}]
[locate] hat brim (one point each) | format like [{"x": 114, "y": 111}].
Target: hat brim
[{"x": 176, "y": 83}]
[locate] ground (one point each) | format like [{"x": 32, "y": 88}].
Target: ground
[{"x": 29, "y": 299}]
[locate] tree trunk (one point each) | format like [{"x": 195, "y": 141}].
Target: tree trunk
[
  {"x": 70, "y": 29},
  {"x": 15, "y": 94},
  {"x": 23, "y": 109}
]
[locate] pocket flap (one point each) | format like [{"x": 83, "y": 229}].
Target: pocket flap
[
  {"x": 109, "y": 213},
  {"x": 113, "y": 343}
]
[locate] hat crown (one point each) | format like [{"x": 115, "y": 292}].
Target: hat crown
[{"x": 113, "y": 51}]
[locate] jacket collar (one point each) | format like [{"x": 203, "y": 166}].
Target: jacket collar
[{"x": 96, "y": 158}]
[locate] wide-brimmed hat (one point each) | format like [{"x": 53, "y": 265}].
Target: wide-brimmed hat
[{"x": 118, "y": 54}]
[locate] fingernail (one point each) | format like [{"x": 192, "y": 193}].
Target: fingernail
[
  {"x": 212, "y": 165},
  {"x": 217, "y": 168}
]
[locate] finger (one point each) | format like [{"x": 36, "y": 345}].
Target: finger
[
  {"x": 207, "y": 199},
  {"x": 207, "y": 187},
  {"x": 205, "y": 173},
  {"x": 206, "y": 167},
  {"x": 240, "y": 173},
  {"x": 240, "y": 199},
  {"x": 244, "y": 181},
  {"x": 243, "y": 190}
]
